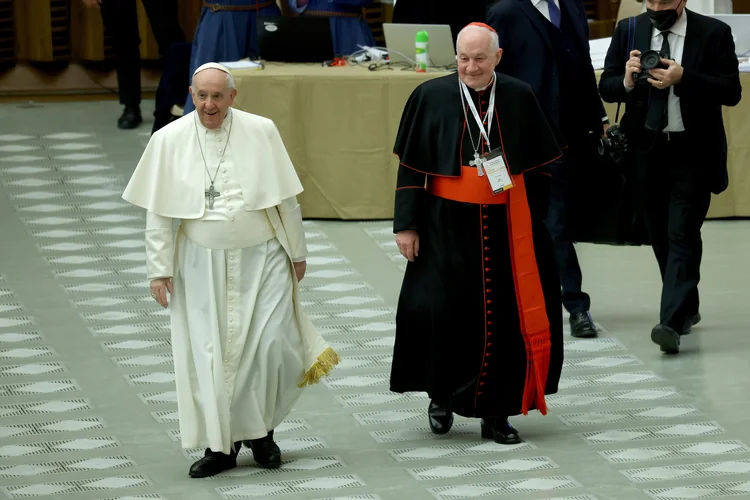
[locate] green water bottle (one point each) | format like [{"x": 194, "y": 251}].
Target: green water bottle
[{"x": 422, "y": 41}]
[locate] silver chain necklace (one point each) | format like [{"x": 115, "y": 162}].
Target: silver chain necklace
[
  {"x": 466, "y": 117},
  {"x": 476, "y": 162},
  {"x": 474, "y": 146},
  {"x": 212, "y": 194}
]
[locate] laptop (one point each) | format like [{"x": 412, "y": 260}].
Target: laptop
[
  {"x": 740, "y": 24},
  {"x": 400, "y": 42},
  {"x": 296, "y": 39}
]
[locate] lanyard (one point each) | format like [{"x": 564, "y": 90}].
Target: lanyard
[{"x": 487, "y": 117}]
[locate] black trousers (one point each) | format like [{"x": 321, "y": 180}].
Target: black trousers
[
  {"x": 120, "y": 19},
  {"x": 175, "y": 80},
  {"x": 676, "y": 199},
  {"x": 559, "y": 223}
]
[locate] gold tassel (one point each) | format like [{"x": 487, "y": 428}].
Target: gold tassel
[{"x": 327, "y": 360}]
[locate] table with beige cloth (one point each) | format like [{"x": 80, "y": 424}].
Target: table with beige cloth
[{"x": 340, "y": 123}]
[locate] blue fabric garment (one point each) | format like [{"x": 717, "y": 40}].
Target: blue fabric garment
[
  {"x": 554, "y": 13},
  {"x": 223, "y": 35},
  {"x": 348, "y": 32}
]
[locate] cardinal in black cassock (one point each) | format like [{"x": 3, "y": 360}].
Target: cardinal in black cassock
[{"x": 479, "y": 320}]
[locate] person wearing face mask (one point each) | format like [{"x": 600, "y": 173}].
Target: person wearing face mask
[
  {"x": 479, "y": 319},
  {"x": 546, "y": 45},
  {"x": 673, "y": 120},
  {"x": 243, "y": 347}
]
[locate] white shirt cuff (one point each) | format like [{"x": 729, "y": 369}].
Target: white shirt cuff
[{"x": 159, "y": 247}]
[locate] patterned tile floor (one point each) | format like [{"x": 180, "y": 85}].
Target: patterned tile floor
[{"x": 87, "y": 404}]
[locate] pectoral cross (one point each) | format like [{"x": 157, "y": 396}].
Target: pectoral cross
[
  {"x": 212, "y": 194},
  {"x": 478, "y": 162}
]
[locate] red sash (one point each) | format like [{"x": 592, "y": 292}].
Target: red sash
[{"x": 532, "y": 311}]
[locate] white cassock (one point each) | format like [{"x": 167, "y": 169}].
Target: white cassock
[{"x": 243, "y": 347}]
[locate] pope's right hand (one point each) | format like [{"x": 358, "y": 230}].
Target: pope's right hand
[
  {"x": 159, "y": 288},
  {"x": 408, "y": 244}
]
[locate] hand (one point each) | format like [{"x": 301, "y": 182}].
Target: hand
[
  {"x": 605, "y": 127},
  {"x": 299, "y": 269},
  {"x": 92, "y": 3},
  {"x": 665, "y": 78},
  {"x": 408, "y": 244},
  {"x": 159, "y": 288},
  {"x": 632, "y": 66}
]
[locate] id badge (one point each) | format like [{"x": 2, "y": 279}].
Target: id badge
[{"x": 497, "y": 172}]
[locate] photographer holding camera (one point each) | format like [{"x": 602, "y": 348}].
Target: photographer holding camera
[{"x": 674, "y": 69}]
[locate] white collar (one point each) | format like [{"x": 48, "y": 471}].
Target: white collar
[
  {"x": 678, "y": 28},
  {"x": 224, "y": 125},
  {"x": 537, "y": 2},
  {"x": 492, "y": 80}
]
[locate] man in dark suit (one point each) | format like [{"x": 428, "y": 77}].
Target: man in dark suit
[
  {"x": 120, "y": 18},
  {"x": 546, "y": 44},
  {"x": 673, "y": 119}
]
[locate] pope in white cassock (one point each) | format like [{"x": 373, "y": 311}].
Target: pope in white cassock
[{"x": 243, "y": 347}]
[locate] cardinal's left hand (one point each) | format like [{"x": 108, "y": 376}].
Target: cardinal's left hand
[{"x": 665, "y": 78}]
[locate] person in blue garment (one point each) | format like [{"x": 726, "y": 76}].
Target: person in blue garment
[
  {"x": 348, "y": 24},
  {"x": 226, "y": 32}
]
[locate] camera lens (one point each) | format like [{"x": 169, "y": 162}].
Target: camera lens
[{"x": 650, "y": 59}]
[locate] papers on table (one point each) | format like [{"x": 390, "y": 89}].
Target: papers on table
[
  {"x": 242, "y": 64},
  {"x": 599, "y": 50},
  {"x": 597, "y": 47}
]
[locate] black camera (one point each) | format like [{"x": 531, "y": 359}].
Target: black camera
[
  {"x": 615, "y": 144},
  {"x": 651, "y": 59}
]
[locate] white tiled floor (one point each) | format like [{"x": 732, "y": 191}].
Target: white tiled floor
[{"x": 86, "y": 389}]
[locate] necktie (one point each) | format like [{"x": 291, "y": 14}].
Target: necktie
[
  {"x": 554, "y": 13},
  {"x": 656, "y": 117}
]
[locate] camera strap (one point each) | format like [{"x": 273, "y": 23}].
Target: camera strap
[
  {"x": 631, "y": 38},
  {"x": 628, "y": 50}
]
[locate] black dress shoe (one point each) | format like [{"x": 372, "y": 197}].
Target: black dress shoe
[
  {"x": 667, "y": 338},
  {"x": 213, "y": 463},
  {"x": 690, "y": 322},
  {"x": 440, "y": 418},
  {"x": 582, "y": 326},
  {"x": 130, "y": 118},
  {"x": 265, "y": 451},
  {"x": 500, "y": 430}
]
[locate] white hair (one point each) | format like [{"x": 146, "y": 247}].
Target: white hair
[
  {"x": 494, "y": 39},
  {"x": 230, "y": 81}
]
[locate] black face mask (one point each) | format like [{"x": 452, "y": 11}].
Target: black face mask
[{"x": 662, "y": 19}]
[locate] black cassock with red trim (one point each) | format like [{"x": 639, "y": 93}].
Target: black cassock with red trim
[{"x": 479, "y": 321}]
